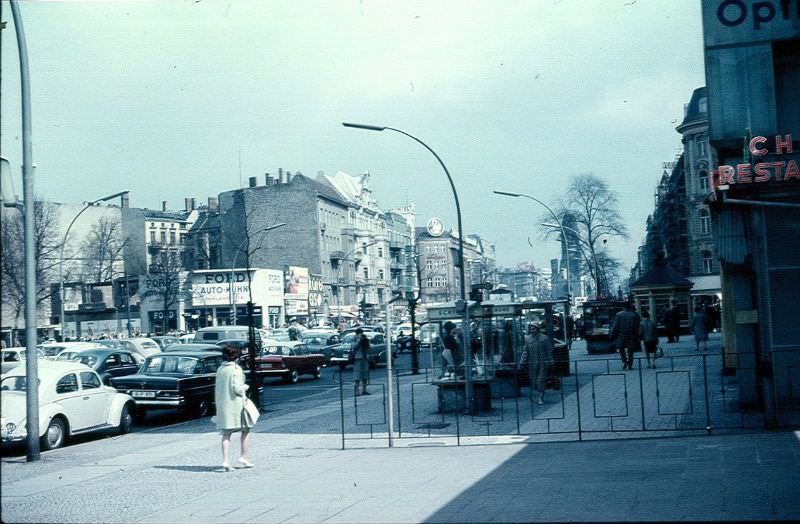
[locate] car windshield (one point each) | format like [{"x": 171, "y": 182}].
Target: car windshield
[
  {"x": 13, "y": 356},
  {"x": 52, "y": 351},
  {"x": 169, "y": 364},
  {"x": 67, "y": 355},
  {"x": 88, "y": 360},
  {"x": 314, "y": 341}
]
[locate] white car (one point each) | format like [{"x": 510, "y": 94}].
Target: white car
[
  {"x": 187, "y": 339},
  {"x": 142, "y": 346},
  {"x": 13, "y": 357},
  {"x": 53, "y": 349},
  {"x": 72, "y": 400}
]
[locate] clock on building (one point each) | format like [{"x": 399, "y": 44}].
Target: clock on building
[{"x": 435, "y": 227}]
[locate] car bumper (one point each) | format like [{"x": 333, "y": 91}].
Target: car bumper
[
  {"x": 273, "y": 371},
  {"x": 340, "y": 360},
  {"x": 153, "y": 403}
]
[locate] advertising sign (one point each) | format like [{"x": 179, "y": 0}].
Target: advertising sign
[
  {"x": 297, "y": 282},
  {"x": 296, "y": 307},
  {"x": 218, "y": 287},
  {"x": 728, "y": 22},
  {"x": 315, "y": 292}
]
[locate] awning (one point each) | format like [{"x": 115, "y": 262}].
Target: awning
[{"x": 705, "y": 284}]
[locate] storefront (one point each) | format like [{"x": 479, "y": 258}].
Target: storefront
[{"x": 215, "y": 293}]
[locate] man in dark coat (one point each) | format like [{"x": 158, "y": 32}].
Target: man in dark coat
[{"x": 625, "y": 333}]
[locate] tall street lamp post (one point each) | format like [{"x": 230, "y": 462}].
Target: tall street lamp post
[
  {"x": 563, "y": 235},
  {"x": 467, "y": 346},
  {"x": 62, "y": 296},
  {"x": 31, "y": 364},
  {"x": 251, "y": 328}
]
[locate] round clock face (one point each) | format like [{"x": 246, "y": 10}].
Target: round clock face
[{"x": 435, "y": 227}]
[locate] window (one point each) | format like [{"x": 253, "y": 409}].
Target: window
[
  {"x": 67, "y": 384},
  {"x": 429, "y": 265},
  {"x": 429, "y": 282},
  {"x": 152, "y": 237},
  {"x": 163, "y": 237},
  {"x": 366, "y": 272},
  {"x": 703, "y": 105},
  {"x": 380, "y": 252},
  {"x": 172, "y": 237},
  {"x": 380, "y": 274},
  {"x": 90, "y": 380},
  {"x": 708, "y": 262},
  {"x": 704, "y": 180},
  {"x": 113, "y": 361},
  {"x": 701, "y": 146},
  {"x": 705, "y": 221},
  {"x": 126, "y": 359}
]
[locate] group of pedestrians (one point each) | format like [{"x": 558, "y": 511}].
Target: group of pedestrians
[{"x": 630, "y": 329}]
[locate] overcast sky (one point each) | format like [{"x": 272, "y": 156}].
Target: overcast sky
[{"x": 159, "y": 98}]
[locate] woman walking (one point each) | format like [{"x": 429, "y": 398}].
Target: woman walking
[
  {"x": 229, "y": 395},
  {"x": 649, "y": 334},
  {"x": 539, "y": 355}
]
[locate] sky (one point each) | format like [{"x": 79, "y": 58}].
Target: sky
[{"x": 189, "y": 98}]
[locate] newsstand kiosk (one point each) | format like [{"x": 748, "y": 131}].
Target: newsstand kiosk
[{"x": 497, "y": 339}]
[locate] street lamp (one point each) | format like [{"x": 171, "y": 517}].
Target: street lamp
[
  {"x": 563, "y": 234},
  {"x": 338, "y": 270},
  {"x": 86, "y": 206},
  {"x": 31, "y": 363},
  {"x": 467, "y": 346},
  {"x": 594, "y": 257},
  {"x": 233, "y": 266}
]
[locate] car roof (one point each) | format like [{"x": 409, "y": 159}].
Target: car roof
[
  {"x": 282, "y": 343},
  {"x": 190, "y": 347},
  {"x": 50, "y": 369},
  {"x": 103, "y": 351},
  {"x": 186, "y": 353}
]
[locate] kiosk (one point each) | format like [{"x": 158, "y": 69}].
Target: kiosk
[{"x": 497, "y": 334}]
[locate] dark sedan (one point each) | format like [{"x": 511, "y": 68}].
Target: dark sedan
[
  {"x": 321, "y": 342},
  {"x": 343, "y": 353},
  {"x": 109, "y": 363},
  {"x": 182, "y": 380}
]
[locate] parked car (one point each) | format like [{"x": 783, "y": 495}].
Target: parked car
[
  {"x": 212, "y": 335},
  {"x": 142, "y": 346},
  {"x": 344, "y": 352},
  {"x": 191, "y": 347},
  {"x": 182, "y": 380},
  {"x": 321, "y": 341},
  {"x": 289, "y": 360},
  {"x": 13, "y": 357},
  {"x": 108, "y": 362},
  {"x": 186, "y": 339},
  {"x": 405, "y": 329},
  {"x": 109, "y": 343},
  {"x": 166, "y": 340},
  {"x": 280, "y": 334},
  {"x": 72, "y": 401},
  {"x": 70, "y": 354},
  {"x": 377, "y": 329},
  {"x": 52, "y": 349}
]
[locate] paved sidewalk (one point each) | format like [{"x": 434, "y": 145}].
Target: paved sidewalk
[{"x": 173, "y": 477}]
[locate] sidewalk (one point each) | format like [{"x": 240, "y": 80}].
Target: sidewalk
[{"x": 173, "y": 476}]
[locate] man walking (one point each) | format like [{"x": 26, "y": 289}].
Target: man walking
[
  {"x": 361, "y": 363},
  {"x": 625, "y": 333}
]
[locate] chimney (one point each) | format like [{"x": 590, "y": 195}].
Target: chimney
[
  {"x": 194, "y": 205},
  {"x": 253, "y": 181},
  {"x": 288, "y": 176},
  {"x": 187, "y": 204},
  {"x": 213, "y": 204},
  {"x": 269, "y": 179},
  {"x": 126, "y": 203},
  {"x": 280, "y": 175},
  {"x": 163, "y": 205}
]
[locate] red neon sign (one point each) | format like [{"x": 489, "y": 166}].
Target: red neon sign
[{"x": 761, "y": 171}]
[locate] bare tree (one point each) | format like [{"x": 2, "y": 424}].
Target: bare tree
[
  {"x": 102, "y": 250},
  {"x": 47, "y": 245},
  {"x": 592, "y": 209}
]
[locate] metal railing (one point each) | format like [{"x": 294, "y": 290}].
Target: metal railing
[{"x": 685, "y": 394}]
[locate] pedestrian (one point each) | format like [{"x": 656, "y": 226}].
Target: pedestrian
[
  {"x": 229, "y": 396},
  {"x": 674, "y": 325},
  {"x": 625, "y": 334},
  {"x": 539, "y": 356},
  {"x": 459, "y": 355},
  {"x": 649, "y": 335},
  {"x": 360, "y": 363},
  {"x": 448, "y": 360},
  {"x": 699, "y": 329}
]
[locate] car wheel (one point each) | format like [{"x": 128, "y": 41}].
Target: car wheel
[
  {"x": 55, "y": 435},
  {"x": 202, "y": 408},
  {"x": 293, "y": 376},
  {"x": 125, "y": 420},
  {"x": 318, "y": 372}
]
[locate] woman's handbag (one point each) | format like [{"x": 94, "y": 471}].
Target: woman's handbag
[{"x": 250, "y": 414}]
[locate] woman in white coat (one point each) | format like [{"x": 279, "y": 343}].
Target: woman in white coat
[{"x": 229, "y": 395}]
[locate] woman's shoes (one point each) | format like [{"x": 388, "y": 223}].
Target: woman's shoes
[
  {"x": 226, "y": 468},
  {"x": 245, "y": 463}
]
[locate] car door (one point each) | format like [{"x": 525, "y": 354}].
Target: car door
[
  {"x": 95, "y": 398},
  {"x": 128, "y": 365},
  {"x": 206, "y": 374},
  {"x": 70, "y": 397}
]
